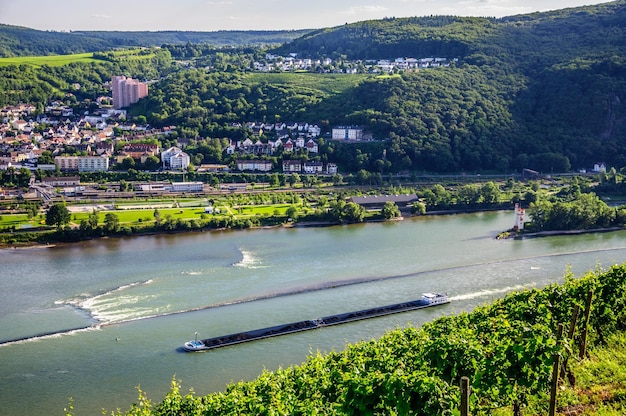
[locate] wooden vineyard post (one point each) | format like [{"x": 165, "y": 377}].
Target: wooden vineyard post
[
  {"x": 583, "y": 340},
  {"x": 465, "y": 392},
  {"x": 570, "y": 337},
  {"x": 555, "y": 374}
]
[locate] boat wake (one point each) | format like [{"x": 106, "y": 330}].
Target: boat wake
[
  {"x": 98, "y": 308},
  {"x": 49, "y": 335},
  {"x": 249, "y": 261},
  {"x": 490, "y": 292}
]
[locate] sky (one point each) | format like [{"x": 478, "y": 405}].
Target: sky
[{"x": 212, "y": 15}]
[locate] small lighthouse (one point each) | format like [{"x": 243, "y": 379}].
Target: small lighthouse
[{"x": 519, "y": 218}]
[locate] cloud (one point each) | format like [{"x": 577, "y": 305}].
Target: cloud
[
  {"x": 218, "y": 3},
  {"x": 101, "y": 16},
  {"x": 365, "y": 9}
]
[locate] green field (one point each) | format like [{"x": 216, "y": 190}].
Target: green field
[
  {"x": 51, "y": 60},
  {"x": 18, "y": 220},
  {"x": 138, "y": 216}
]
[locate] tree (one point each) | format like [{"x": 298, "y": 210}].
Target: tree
[
  {"x": 390, "y": 210},
  {"x": 468, "y": 194},
  {"x": 58, "y": 215},
  {"x": 418, "y": 208},
  {"x": 336, "y": 209},
  {"x": 292, "y": 212},
  {"x": 490, "y": 193},
  {"x": 354, "y": 212},
  {"x": 92, "y": 220},
  {"x": 274, "y": 180},
  {"x": 293, "y": 179},
  {"x": 111, "y": 222},
  {"x": 128, "y": 163},
  {"x": 152, "y": 163}
]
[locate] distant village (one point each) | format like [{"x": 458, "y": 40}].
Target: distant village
[{"x": 277, "y": 63}]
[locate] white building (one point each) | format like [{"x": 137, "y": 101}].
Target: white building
[
  {"x": 313, "y": 167},
  {"x": 93, "y": 163},
  {"x": 186, "y": 187},
  {"x": 254, "y": 165},
  {"x": 519, "y": 217},
  {"x": 82, "y": 163},
  {"x": 347, "y": 133},
  {"x": 292, "y": 166},
  {"x": 174, "y": 158}
]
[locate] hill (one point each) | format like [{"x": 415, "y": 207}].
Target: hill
[
  {"x": 540, "y": 91},
  {"x": 22, "y": 41},
  {"x": 555, "y": 80},
  {"x": 543, "y": 91}
]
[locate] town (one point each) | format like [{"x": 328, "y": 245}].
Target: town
[{"x": 58, "y": 139}]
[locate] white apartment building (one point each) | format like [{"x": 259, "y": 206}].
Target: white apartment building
[
  {"x": 82, "y": 163},
  {"x": 174, "y": 158},
  {"x": 347, "y": 133}
]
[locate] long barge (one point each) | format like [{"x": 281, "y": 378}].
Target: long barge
[{"x": 426, "y": 301}]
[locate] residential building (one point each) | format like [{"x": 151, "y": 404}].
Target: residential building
[
  {"x": 82, "y": 163},
  {"x": 292, "y": 166},
  {"x": 313, "y": 167},
  {"x": 180, "y": 161},
  {"x": 67, "y": 163},
  {"x": 347, "y": 133},
  {"x": 127, "y": 91},
  {"x": 311, "y": 146},
  {"x": 254, "y": 165},
  {"x": 175, "y": 158}
]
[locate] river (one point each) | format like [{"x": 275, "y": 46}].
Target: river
[{"x": 116, "y": 311}]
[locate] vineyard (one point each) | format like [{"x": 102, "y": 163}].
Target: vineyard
[
  {"x": 49, "y": 60},
  {"x": 507, "y": 350}
]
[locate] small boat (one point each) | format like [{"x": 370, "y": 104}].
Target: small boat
[{"x": 427, "y": 300}]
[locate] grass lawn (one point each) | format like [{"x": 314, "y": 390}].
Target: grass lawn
[
  {"x": 252, "y": 210},
  {"x": 20, "y": 221},
  {"x": 136, "y": 216},
  {"x": 52, "y": 60},
  {"x": 142, "y": 212}
]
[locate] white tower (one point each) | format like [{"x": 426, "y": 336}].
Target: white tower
[{"x": 519, "y": 217}]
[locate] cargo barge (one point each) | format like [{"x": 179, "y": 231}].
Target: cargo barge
[{"x": 427, "y": 300}]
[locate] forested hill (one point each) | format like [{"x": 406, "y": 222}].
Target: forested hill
[
  {"x": 543, "y": 90},
  {"x": 587, "y": 31},
  {"x": 216, "y": 38},
  {"x": 22, "y": 41}
]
